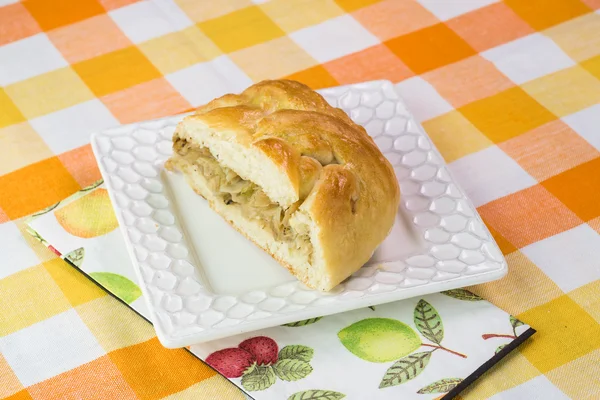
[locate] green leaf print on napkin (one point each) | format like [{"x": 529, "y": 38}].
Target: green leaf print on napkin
[
  {"x": 93, "y": 185},
  {"x": 120, "y": 286},
  {"x": 428, "y": 322},
  {"x": 46, "y": 210},
  {"x": 297, "y": 352},
  {"x": 38, "y": 237},
  {"x": 76, "y": 257},
  {"x": 259, "y": 378},
  {"x": 292, "y": 369},
  {"x": 379, "y": 339},
  {"x": 515, "y": 322},
  {"x": 317, "y": 395},
  {"x": 442, "y": 386},
  {"x": 405, "y": 369},
  {"x": 302, "y": 323},
  {"x": 462, "y": 294}
]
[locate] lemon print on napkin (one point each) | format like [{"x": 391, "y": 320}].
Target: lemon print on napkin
[
  {"x": 379, "y": 339},
  {"x": 118, "y": 285},
  {"x": 89, "y": 216}
]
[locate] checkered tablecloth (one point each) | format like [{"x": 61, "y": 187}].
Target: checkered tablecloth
[{"x": 509, "y": 92}]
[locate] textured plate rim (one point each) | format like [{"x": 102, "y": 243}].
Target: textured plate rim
[{"x": 171, "y": 341}]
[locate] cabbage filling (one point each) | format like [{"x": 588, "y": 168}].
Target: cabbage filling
[{"x": 232, "y": 190}]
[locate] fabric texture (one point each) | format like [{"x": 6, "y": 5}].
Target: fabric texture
[{"x": 508, "y": 91}]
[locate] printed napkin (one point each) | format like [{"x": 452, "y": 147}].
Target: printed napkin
[{"x": 429, "y": 347}]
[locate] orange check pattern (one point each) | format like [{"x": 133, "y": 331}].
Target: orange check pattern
[{"x": 509, "y": 92}]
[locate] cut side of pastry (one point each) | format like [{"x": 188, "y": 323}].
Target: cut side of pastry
[{"x": 294, "y": 175}]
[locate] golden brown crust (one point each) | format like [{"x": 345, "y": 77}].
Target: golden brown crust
[
  {"x": 283, "y": 155},
  {"x": 348, "y": 187},
  {"x": 309, "y": 170}
]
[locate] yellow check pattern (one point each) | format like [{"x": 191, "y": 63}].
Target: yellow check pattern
[{"x": 508, "y": 90}]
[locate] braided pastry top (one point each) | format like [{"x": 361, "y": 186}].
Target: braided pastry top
[{"x": 334, "y": 169}]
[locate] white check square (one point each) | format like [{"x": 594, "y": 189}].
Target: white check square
[
  {"x": 145, "y": 20},
  {"x": 71, "y": 127},
  {"x": 175, "y": 14},
  {"x": 445, "y": 10},
  {"x": 201, "y": 83},
  {"x": 421, "y": 98},
  {"x": 490, "y": 174},
  {"x": 16, "y": 253},
  {"x": 28, "y": 57},
  {"x": 539, "y": 384},
  {"x": 334, "y": 38},
  {"x": 587, "y": 124},
  {"x": 569, "y": 258},
  {"x": 528, "y": 58},
  {"x": 44, "y": 350}
]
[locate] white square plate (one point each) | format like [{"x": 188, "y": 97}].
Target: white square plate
[{"x": 204, "y": 281}]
